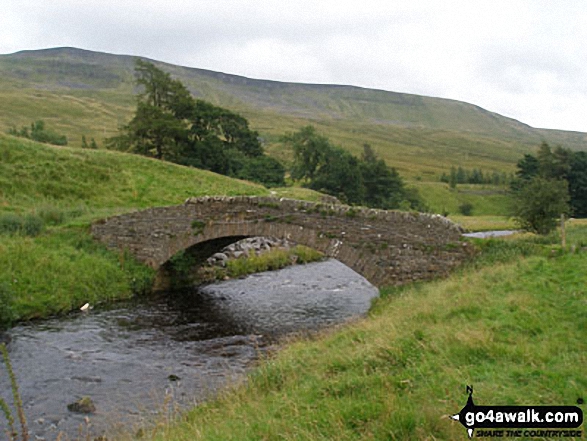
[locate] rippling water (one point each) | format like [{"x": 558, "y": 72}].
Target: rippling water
[{"x": 180, "y": 347}]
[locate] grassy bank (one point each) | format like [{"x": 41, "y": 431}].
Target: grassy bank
[
  {"x": 48, "y": 198},
  {"x": 62, "y": 269},
  {"x": 271, "y": 260},
  {"x": 513, "y": 325}
]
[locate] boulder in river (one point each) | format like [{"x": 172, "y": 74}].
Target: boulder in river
[{"x": 83, "y": 405}]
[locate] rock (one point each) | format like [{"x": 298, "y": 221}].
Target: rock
[
  {"x": 5, "y": 338},
  {"x": 83, "y": 405},
  {"x": 220, "y": 256},
  {"x": 173, "y": 377}
]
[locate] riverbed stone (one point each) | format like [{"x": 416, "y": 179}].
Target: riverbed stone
[{"x": 83, "y": 405}]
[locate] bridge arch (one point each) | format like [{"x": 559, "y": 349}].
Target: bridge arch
[{"x": 386, "y": 247}]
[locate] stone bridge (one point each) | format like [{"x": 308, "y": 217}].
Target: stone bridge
[{"x": 386, "y": 247}]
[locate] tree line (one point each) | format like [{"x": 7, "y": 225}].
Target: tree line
[
  {"x": 548, "y": 184},
  {"x": 38, "y": 132},
  {"x": 322, "y": 166},
  {"x": 460, "y": 175},
  {"x": 170, "y": 124}
]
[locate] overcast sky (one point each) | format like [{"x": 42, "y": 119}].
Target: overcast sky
[{"x": 526, "y": 59}]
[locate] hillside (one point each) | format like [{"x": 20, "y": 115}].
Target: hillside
[
  {"x": 35, "y": 176},
  {"x": 82, "y": 92},
  {"x": 52, "y": 265}
]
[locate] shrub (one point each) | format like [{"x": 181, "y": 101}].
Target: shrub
[
  {"x": 10, "y": 223},
  {"x": 466, "y": 209},
  {"x": 29, "y": 225},
  {"x": 540, "y": 203}
]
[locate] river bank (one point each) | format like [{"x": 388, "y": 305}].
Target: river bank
[
  {"x": 511, "y": 324},
  {"x": 50, "y": 195},
  {"x": 139, "y": 360}
]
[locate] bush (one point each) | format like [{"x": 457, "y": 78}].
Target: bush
[
  {"x": 29, "y": 225},
  {"x": 466, "y": 209},
  {"x": 39, "y": 133},
  {"x": 10, "y": 223},
  {"x": 540, "y": 203}
]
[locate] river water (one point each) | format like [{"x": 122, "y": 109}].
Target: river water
[{"x": 139, "y": 359}]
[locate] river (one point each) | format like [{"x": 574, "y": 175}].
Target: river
[{"x": 141, "y": 358}]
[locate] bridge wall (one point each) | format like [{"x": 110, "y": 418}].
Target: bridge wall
[{"x": 386, "y": 247}]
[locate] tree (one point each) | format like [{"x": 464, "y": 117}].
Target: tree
[
  {"x": 169, "y": 124},
  {"x": 553, "y": 164},
  {"x": 578, "y": 184},
  {"x": 155, "y": 132},
  {"x": 452, "y": 180},
  {"x": 368, "y": 181},
  {"x": 540, "y": 203},
  {"x": 340, "y": 176},
  {"x": 557, "y": 164},
  {"x": 264, "y": 169},
  {"x": 384, "y": 188},
  {"x": 310, "y": 152},
  {"x": 39, "y": 133}
]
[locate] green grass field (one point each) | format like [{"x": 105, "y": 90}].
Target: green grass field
[
  {"x": 66, "y": 189},
  {"x": 513, "y": 325}
]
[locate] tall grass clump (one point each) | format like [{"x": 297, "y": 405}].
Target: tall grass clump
[
  {"x": 7, "y": 314},
  {"x": 271, "y": 260},
  {"x": 11, "y": 432},
  {"x": 27, "y": 225},
  {"x": 304, "y": 254}
]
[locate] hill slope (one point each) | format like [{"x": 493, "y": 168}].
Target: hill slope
[
  {"x": 59, "y": 267},
  {"x": 36, "y": 176},
  {"x": 83, "y": 92}
]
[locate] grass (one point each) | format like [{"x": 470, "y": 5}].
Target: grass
[
  {"x": 484, "y": 223},
  {"x": 271, "y": 260},
  {"x": 48, "y": 198},
  {"x": 37, "y": 177},
  {"x": 83, "y": 93},
  {"x": 62, "y": 269},
  {"x": 486, "y": 200},
  {"x": 513, "y": 325}
]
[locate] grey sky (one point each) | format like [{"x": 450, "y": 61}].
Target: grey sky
[{"x": 526, "y": 59}]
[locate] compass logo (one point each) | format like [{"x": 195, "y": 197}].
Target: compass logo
[{"x": 519, "y": 417}]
